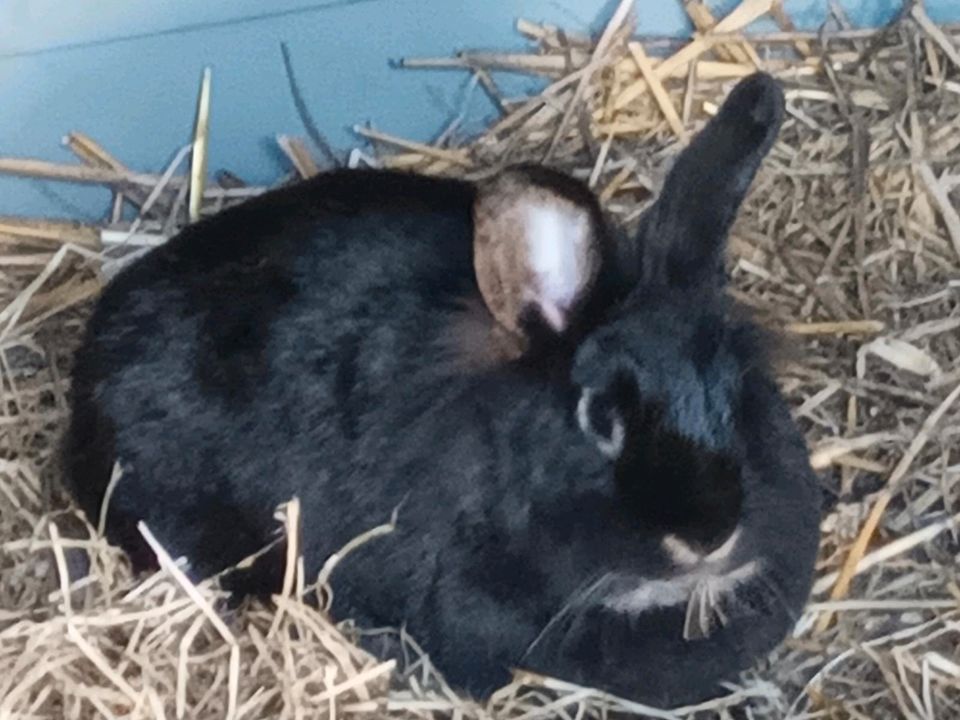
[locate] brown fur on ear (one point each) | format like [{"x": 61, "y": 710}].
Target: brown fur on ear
[
  {"x": 535, "y": 244},
  {"x": 476, "y": 341}
]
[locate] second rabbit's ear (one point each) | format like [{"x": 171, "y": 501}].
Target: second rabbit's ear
[
  {"x": 537, "y": 246},
  {"x": 683, "y": 235}
]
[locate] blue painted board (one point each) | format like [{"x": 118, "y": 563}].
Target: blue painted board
[{"x": 126, "y": 72}]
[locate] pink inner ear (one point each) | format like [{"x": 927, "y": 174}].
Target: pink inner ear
[
  {"x": 556, "y": 315},
  {"x": 558, "y": 255}
]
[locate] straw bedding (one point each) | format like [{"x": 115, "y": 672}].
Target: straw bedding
[{"x": 849, "y": 244}]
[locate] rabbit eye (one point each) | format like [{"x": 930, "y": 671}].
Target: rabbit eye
[{"x": 600, "y": 420}]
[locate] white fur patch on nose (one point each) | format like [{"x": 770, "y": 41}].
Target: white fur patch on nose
[
  {"x": 683, "y": 555},
  {"x": 557, "y": 237},
  {"x": 701, "y": 584}
]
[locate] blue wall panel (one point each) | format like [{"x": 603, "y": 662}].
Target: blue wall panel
[{"x": 127, "y": 72}]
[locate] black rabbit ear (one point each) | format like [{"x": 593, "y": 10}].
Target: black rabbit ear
[{"x": 682, "y": 237}]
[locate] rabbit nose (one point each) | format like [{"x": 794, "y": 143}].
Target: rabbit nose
[{"x": 683, "y": 554}]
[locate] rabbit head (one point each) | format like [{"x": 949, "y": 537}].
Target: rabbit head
[
  {"x": 660, "y": 377},
  {"x": 673, "y": 389}
]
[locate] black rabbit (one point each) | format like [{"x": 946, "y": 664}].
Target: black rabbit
[{"x": 629, "y": 507}]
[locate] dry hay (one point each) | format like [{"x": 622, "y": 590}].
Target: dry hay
[{"x": 850, "y": 241}]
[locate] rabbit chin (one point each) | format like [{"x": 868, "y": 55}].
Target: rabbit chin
[{"x": 701, "y": 583}]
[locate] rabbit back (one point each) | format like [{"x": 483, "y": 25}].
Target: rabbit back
[{"x": 225, "y": 362}]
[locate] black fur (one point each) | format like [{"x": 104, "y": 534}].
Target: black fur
[{"x": 295, "y": 345}]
